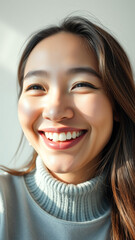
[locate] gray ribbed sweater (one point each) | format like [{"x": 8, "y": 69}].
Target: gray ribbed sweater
[{"x": 41, "y": 207}]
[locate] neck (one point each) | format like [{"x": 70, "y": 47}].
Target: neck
[
  {"x": 81, "y": 202},
  {"x": 86, "y": 173},
  {"x": 71, "y": 178}
]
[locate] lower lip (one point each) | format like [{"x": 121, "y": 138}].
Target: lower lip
[{"x": 61, "y": 145}]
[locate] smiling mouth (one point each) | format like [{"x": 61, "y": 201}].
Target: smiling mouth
[
  {"x": 63, "y": 136},
  {"x": 62, "y": 140}
]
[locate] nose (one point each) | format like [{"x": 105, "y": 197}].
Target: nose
[{"x": 57, "y": 110}]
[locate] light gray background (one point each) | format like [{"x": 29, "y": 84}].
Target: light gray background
[{"x": 18, "y": 19}]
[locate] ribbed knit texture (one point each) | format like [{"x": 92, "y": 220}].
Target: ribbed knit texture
[{"x": 79, "y": 203}]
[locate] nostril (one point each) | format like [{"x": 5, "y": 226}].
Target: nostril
[{"x": 57, "y": 114}]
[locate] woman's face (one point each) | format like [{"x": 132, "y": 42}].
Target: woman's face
[{"x": 63, "y": 109}]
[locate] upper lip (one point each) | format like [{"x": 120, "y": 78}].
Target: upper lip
[{"x": 59, "y": 130}]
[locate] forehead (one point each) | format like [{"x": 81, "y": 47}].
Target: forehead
[{"x": 60, "y": 51}]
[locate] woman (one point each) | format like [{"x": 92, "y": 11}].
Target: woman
[{"x": 76, "y": 108}]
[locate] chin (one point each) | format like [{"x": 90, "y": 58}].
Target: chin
[{"x": 59, "y": 169}]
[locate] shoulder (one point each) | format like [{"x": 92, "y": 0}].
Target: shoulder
[
  {"x": 9, "y": 183},
  {"x": 12, "y": 190},
  {"x": 6, "y": 178},
  {"x": 13, "y": 203}
]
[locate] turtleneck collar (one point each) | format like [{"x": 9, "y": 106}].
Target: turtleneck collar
[{"x": 79, "y": 203}]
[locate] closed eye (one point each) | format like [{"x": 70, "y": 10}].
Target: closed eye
[{"x": 84, "y": 84}]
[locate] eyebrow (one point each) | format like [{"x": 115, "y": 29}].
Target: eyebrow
[
  {"x": 75, "y": 70},
  {"x": 35, "y": 73},
  {"x": 88, "y": 70}
]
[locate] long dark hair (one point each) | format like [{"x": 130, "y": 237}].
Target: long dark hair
[{"x": 117, "y": 79}]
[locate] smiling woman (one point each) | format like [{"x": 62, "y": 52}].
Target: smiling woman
[
  {"x": 76, "y": 108},
  {"x": 65, "y": 98}
]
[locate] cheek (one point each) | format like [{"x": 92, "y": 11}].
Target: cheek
[
  {"x": 96, "y": 109},
  {"x": 27, "y": 113}
]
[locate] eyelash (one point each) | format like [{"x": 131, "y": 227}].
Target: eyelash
[
  {"x": 84, "y": 84},
  {"x": 35, "y": 87},
  {"x": 79, "y": 84}
]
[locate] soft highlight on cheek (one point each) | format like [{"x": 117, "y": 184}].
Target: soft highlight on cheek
[
  {"x": 96, "y": 107},
  {"x": 26, "y": 112},
  {"x": 90, "y": 106}
]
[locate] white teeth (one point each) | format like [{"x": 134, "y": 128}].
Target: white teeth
[
  {"x": 68, "y": 135},
  {"x": 77, "y": 134},
  {"x": 74, "y": 135},
  {"x": 47, "y": 134},
  {"x": 55, "y": 137},
  {"x": 50, "y": 135},
  {"x": 62, "y": 136}
]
